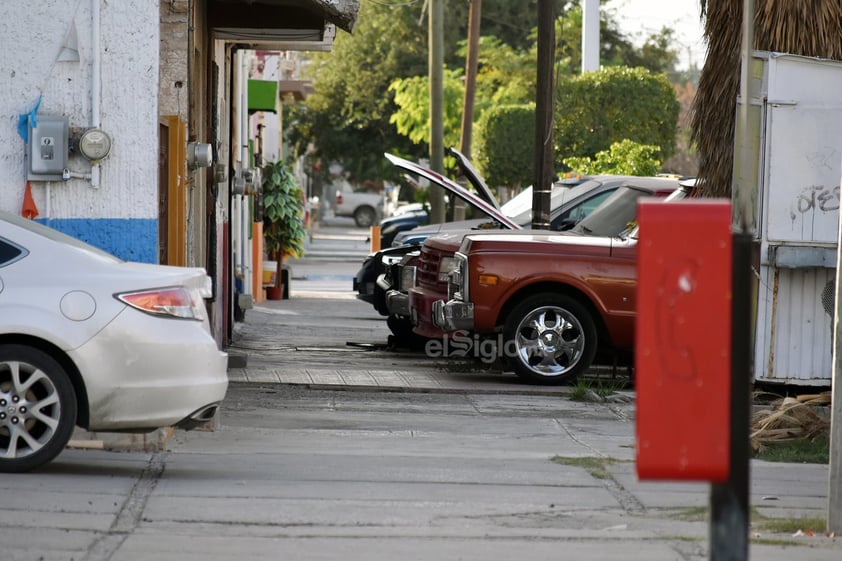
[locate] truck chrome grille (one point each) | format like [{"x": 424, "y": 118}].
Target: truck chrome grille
[{"x": 428, "y": 269}]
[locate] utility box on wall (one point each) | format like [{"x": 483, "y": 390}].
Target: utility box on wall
[{"x": 47, "y": 149}]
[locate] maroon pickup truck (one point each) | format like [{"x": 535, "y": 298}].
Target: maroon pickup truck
[
  {"x": 551, "y": 300},
  {"x": 437, "y": 253}
]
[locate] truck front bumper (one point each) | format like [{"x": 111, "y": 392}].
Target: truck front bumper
[
  {"x": 453, "y": 315},
  {"x": 397, "y": 303}
]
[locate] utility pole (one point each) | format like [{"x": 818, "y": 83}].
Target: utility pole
[
  {"x": 545, "y": 95},
  {"x": 474, "y": 14},
  {"x": 436, "y": 70},
  {"x": 590, "y": 35}
]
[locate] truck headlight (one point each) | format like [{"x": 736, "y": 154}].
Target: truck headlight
[
  {"x": 446, "y": 266},
  {"x": 407, "y": 277},
  {"x": 457, "y": 279}
]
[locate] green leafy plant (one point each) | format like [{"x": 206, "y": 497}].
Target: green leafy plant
[
  {"x": 625, "y": 157},
  {"x": 596, "y": 109},
  {"x": 283, "y": 214},
  {"x": 505, "y": 144},
  {"x": 599, "y": 390}
]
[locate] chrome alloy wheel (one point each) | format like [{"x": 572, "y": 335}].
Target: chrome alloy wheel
[{"x": 550, "y": 341}]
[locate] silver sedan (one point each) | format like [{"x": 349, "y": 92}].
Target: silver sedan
[{"x": 90, "y": 340}]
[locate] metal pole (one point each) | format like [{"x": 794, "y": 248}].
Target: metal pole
[
  {"x": 436, "y": 69},
  {"x": 545, "y": 96},
  {"x": 590, "y": 35},
  {"x": 729, "y": 513},
  {"x": 474, "y": 15}
]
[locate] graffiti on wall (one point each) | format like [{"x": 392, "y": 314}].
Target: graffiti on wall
[{"x": 815, "y": 198}]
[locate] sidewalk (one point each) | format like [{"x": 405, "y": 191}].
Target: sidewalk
[{"x": 323, "y": 338}]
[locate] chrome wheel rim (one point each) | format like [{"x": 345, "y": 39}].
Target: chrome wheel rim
[
  {"x": 30, "y": 409},
  {"x": 550, "y": 341}
]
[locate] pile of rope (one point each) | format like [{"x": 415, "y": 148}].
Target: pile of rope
[{"x": 803, "y": 417}]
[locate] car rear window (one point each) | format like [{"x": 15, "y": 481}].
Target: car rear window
[{"x": 8, "y": 252}]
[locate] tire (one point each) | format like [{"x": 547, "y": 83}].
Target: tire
[
  {"x": 364, "y": 216},
  {"x": 402, "y": 334},
  {"x": 379, "y": 301},
  {"x": 549, "y": 339},
  {"x": 32, "y": 382}
]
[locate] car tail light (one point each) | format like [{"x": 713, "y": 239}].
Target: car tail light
[
  {"x": 173, "y": 302},
  {"x": 338, "y": 198}
]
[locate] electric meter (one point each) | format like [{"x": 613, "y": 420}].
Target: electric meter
[{"x": 94, "y": 144}]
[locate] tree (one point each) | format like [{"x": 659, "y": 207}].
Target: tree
[
  {"x": 412, "y": 117},
  {"x": 347, "y": 118},
  {"x": 598, "y": 108},
  {"x": 506, "y": 75},
  {"x": 505, "y": 144}
]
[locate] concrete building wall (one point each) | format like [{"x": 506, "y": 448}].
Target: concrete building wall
[
  {"x": 120, "y": 214},
  {"x": 173, "y": 95}
]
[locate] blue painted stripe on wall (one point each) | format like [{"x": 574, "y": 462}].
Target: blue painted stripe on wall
[{"x": 130, "y": 239}]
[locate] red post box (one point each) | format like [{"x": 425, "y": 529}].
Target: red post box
[{"x": 683, "y": 340}]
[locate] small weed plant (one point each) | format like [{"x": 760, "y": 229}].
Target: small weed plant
[{"x": 594, "y": 390}]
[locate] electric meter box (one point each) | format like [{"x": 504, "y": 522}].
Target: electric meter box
[{"x": 47, "y": 148}]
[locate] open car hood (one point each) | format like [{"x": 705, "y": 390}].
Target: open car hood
[
  {"x": 492, "y": 211},
  {"x": 473, "y": 177}
]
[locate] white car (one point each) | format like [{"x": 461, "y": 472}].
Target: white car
[{"x": 90, "y": 340}]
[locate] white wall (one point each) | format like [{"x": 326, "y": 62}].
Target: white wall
[{"x": 121, "y": 213}]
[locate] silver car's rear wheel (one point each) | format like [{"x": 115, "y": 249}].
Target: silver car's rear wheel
[
  {"x": 37, "y": 408},
  {"x": 550, "y": 338}
]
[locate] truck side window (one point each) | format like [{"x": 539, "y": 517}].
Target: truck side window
[{"x": 573, "y": 216}]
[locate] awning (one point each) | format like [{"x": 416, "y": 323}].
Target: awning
[{"x": 281, "y": 20}]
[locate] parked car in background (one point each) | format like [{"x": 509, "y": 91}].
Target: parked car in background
[
  {"x": 400, "y": 221},
  {"x": 365, "y": 207},
  {"x": 518, "y": 208},
  {"x": 90, "y": 340},
  {"x": 617, "y": 206},
  {"x": 373, "y": 267},
  {"x": 553, "y": 300},
  {"x": 374, "y": 285}
]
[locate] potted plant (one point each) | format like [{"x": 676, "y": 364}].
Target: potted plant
[{"x": 283, "y": 220}]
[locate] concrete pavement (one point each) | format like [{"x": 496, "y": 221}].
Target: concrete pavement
[
  {"x": 791, "y": 492},
  {"x": 332, "y": 446}
]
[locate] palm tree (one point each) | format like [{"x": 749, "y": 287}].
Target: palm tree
[{"x": 802, "y": 27}]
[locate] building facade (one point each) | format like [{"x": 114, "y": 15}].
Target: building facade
[{"x": 126, "y": 122}]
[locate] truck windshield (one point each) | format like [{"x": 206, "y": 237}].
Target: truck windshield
[
  {"x": 682, "y": 193},
  {"x": 614, "y": 215}
]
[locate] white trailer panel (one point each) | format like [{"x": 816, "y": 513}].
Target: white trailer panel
[{"x": 798, "y": 225}]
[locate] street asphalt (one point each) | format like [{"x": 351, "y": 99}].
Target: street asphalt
[{"x": 332, "y": 445}]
